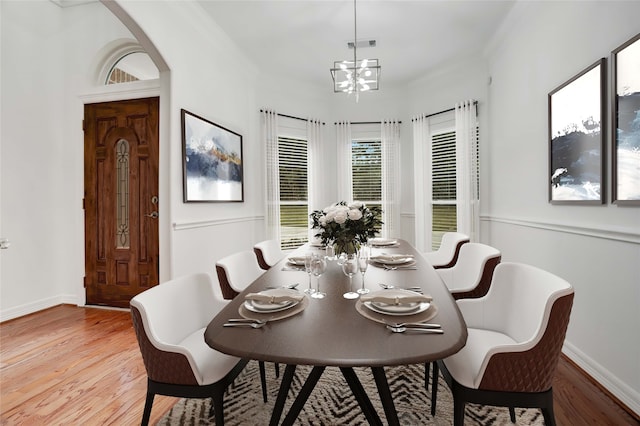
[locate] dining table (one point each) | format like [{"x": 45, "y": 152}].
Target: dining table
[{"x": 339, "y": 332}]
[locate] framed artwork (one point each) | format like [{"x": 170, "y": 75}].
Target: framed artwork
[
  {"x": 212, "y": 161},
  {"x": 625, "y": 123},
  {"x": 576, "y": 143}
]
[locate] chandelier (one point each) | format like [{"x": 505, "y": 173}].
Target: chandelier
[{"x": 355, "y": 76}]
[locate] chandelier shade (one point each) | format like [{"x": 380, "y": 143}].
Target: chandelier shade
[{"x": 357, "y": 75}]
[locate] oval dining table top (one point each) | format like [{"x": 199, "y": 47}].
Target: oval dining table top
[{"x": 330, "y": 331}]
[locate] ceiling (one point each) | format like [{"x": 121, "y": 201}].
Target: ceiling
[{"x": 301, "y": 39}]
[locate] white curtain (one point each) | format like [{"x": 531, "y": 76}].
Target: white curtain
[
  {"x": 315, "y": 184},
  {"x": 272, "y": 178},
  {"x": 467, "y": 169},
  {"x": 422, "y": 181},
  {"x": 343, "y": 163},
  {"x": 390, "y": 132}
]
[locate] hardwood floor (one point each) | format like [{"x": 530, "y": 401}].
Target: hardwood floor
[{"x": 82, "y": 366}]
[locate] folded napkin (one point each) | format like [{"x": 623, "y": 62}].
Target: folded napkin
[
  {"x": 277, "y": 295},
  {"x": 390, "y": 257},
  {"x": 296, "y": 259},
  {"x": 395, "y": 299}
]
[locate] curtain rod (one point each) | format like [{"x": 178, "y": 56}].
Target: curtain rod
[
  {"x": 368, "y": 122},
  {"x": 447, "y": 110},
  {"x": 291, "y": 116}
]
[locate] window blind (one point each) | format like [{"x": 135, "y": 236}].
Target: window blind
[
  {"x": 293, "y": 171},
  {"x": 443, "y": 175},
  {"x": 366, "y": 165}
]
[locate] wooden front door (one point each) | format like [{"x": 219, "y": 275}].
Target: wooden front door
[{"x": 120, "y": 200}]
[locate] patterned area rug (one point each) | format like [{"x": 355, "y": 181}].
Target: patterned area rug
[{"x": 332, "y": 403}]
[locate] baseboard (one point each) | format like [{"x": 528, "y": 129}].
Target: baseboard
[
  {"x": 38, "y": 305},
  {"x": 627, "y": 397}
]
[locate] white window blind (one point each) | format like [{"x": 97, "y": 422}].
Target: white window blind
[
  {"x": 443, "y": 159},
  {"x": 293, "y": 171},
  {"x": 366, "y": 164}
]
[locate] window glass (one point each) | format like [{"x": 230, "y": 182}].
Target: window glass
[
  {"x": 133, "y": 67},
  {"x": 293, "y": 171},
  {"x": 366, "y": 165}
]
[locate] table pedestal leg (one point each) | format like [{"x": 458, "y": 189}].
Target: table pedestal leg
[
  {"x": 303, "y": 395},
  {"x": 285, "y": 385},
  {"x": 361, "y": 396},
  {"x": 385, "y": 396}
]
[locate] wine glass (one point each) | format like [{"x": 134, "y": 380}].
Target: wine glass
[
  {"x": 318, "y": 266},
  {"x": 350, "y": 267},
  {"x": 308, "y": 257},
  {"x": 363, "y": 263}
]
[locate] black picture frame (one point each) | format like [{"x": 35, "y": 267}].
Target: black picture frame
[
  {"x": 212, "y": 161},
  {"x": 576, "y": 143},
  {"x": 625, "y": 123}
]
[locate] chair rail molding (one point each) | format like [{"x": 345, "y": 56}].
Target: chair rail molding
[
  {"x": 628, "y": 235},
  {"x": 180, "y": 226}
]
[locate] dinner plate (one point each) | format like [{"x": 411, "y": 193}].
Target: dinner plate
[
  {"x": 383, "y": 241},
  {"x": 299, "y": 261},
  {"x": 392, "y": 261},
  {"x": 408, "y": 309},
  {"x": 261, "y": 307}
]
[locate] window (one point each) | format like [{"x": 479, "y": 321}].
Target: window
[
  {"x": 366, "y": 167},
  {"x": 443, "y": 193},
  {"x": 132, "y": 66},
  {"x": 294, "y": 196}
]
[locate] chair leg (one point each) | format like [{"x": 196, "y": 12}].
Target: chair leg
[
  {"x": 277, "y": 365},
  {"x": 147, "y": 408},
  {"x": 427, "y": 366},
  {"x": 512, "y": 414},
  {"x": 547, "y": 410},
  {"x": 217, "y": 406},
  {"x": 434, "y": 388},
  {"x": 263, "y": 380},
  {"x": 458, "y": 411}
]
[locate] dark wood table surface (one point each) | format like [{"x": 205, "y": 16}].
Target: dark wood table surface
[{"x": 330, "y": 332}]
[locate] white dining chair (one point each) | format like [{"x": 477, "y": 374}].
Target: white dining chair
[
  {"x": 268, "y": 253},
  {"x": 169, "y": 320},
  {"x": 515, "y": 337},
  {"x": 236, "y": 271},
  {"x": 447, "y": 253}
]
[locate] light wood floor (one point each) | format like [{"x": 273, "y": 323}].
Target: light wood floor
[{"x": 82, "y": 366}]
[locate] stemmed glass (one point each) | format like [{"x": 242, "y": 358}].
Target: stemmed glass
[
  {"x": 308, "y": 257},
  {"x": 363, "y": 262},
  {"x": 318, "y": 266},
  {"x": 350, "y": 267}
]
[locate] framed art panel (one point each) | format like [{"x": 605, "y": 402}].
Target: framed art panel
[
  {"x": 212, "y": 161},
  {"x": 625, "y": 123},
  {"x": 576, "y": 143}
]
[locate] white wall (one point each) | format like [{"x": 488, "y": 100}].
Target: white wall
[{"x": 596, "y": 248}]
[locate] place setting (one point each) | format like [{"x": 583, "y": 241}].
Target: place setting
[
  {"x": 400, "y": 310},
  {"x": 383, "y": 242},
  {"x": 269, "y": 305},
  {"x": 294, "y": 263},
  {"x": 393, "y": 262}
]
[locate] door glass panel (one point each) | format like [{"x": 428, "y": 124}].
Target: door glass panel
[{"x": 122, "y": 194}]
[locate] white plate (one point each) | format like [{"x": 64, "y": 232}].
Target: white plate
[
  {"x": 394, "y": 261},
  {"x": 383, "y": 241},
  {"x": 260, "y": 307},
  {"x": 398, "y": 309}
]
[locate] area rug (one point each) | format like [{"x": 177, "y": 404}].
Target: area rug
[{"x": 332, "y": 403}]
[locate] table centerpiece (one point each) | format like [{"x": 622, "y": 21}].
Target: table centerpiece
[{"x": 346, "y": 226}]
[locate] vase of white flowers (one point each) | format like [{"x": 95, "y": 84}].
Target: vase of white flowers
[{"x": 346, "y": 226}]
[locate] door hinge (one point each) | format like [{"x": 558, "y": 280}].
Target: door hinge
[
  {"x": 83, "y": 128},
  {"x": 83, "y": 204},
  {"x": 84, "y": 282}
]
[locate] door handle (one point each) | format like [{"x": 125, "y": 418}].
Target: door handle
[{"x": 152, "y": 215}]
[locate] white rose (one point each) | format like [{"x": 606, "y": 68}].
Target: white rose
[
  {"x": 355, "y": 214},
  {"x": 356, "y": 205},
  {"x": 322, "y": 221},
  {"x": 341, "y": 216}
]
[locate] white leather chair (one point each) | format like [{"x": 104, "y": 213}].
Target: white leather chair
[
  {"x": 236, "y": 272},
  {"x": 471, "y": 276},
  {"x": 169, "y": 320},
  {"x": 447, "y": 253},
  {"x": 515, "y": 336},
  {"x": 268, "y": 253}
]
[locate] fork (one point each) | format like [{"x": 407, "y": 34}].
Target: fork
[
  {"x": 393, "y": 268},
  {"x": 245, "y": 324},
  {"x": 413, "y": 325},
  {"x": 390, "y": 286}
]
